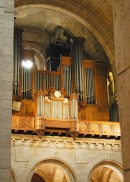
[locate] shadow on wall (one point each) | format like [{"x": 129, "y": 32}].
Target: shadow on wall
[
  {"x": 12, "y": 175},
  {"x": 37, "y": 178}
]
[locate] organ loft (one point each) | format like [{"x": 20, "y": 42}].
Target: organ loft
[
  {"x": 67, "y": 94},
  {"x": 64, "y": 73}
]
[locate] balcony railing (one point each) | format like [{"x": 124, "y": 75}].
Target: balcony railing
[{"x": 100, "y": 128}]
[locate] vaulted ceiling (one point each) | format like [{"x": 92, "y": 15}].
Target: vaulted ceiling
[{"x": 91, "y": 19}]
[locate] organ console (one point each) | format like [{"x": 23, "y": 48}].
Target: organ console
[{"x": 60, "y": 100}]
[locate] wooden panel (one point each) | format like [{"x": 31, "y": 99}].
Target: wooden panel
[
  {"x": 101, "y": 92},
  {"x": 101, "y": 70},
  {"x": 93, "y": 113},
  {"x": 23, "y": 123},
  {"x": 88, "y": 63},
  {"x": 101, "y": 85},
  {"x": 85, "y": 127},
  {"x": 66, "y": 60},
  {"x": 27, "y": 108},
  {"x": 99, "y": 128}
]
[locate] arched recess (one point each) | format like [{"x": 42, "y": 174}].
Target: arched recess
[
  {"x": 39, "y": 53},
  {"x": 51, "y": 170},
  {"x": 106, "y": 171}
]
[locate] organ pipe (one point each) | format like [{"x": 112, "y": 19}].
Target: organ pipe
[
  {"x": 74, "y": 107},
  {"x": 17, "y": 59},
  {"x": 77, "y": 64},
  {"x": 26, "y": 83},
  {"x": 67, "y": 79},
  {"x": 40, "y": 105},
  {"x": 90, "y": 86}
]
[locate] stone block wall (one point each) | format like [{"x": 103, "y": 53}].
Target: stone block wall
[
  {"x": 6, "y": 76},
  {"x": 79, "y": 156},
  {"x": 121, "y": 14}
]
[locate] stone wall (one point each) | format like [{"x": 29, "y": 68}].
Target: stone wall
[
  {"x": 6, "y": 74},
  {"x": 78, "y": 156},
  {"x": 121, "y": 12}
]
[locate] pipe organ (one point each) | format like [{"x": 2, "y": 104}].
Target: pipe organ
[{"x": 82, "y": 87}]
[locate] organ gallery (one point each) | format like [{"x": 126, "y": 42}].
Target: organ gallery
[
  {"x": 67, "y": 94},
  {"x": 64, "y": 91}
]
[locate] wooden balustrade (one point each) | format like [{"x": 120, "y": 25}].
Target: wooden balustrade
[{"x": 101, "y": 128}]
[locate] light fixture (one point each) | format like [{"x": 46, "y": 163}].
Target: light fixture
[{"x": 27, "y": 64}]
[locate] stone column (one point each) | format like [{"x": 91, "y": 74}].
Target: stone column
[
  {"x": 121, "y": 14},
  {"x": 6, "y": 78}
]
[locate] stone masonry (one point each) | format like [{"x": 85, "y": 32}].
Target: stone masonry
[
  {"x": 6, "y": 75},
  {"x": 121, "y": 12},
  {"x": 80, "y": 156}
]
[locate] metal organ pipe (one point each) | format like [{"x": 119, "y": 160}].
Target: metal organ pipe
[
  {"x": 44, "y": 82},
  {"x": 26, "y": 82},
  {"x": 17, "y": 59},
  {"x": 47, "y": 81},
  {"x": 67, "y": 79},
  {"x": 40, "y": 105},
  {"x": 26, "y": 90},
  {"x": 22, "y": 83},
  {"x": 64, "y": 73},
  {"x": 90, "y": 86},
  {"x": 39, "y": 81},
  {"x": 35, "y": 82},
  {"x": 77, "y": 58},
  {"x": 74, "y": 108}
]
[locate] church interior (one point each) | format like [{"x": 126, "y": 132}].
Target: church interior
[{"x": 62, "y": 91}]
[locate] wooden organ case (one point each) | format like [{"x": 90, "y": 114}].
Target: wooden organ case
[{"x": 71, "y": 100}]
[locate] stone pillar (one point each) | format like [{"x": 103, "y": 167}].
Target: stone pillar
[
  {"x": 6, "y": 78},
  {"x": 121, "y": 14}
]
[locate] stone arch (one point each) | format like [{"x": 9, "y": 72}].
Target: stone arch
[
  {"x": 37, "y": 159},
  {"x": 104, "y": 43},
  {"x": 106, "y": 170},
  {"x": 39, "y": 53},
  {"x": 101, "y": 158},
  {"x": 51, "y": 168}
]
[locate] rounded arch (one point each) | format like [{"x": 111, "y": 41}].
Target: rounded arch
[
  {"x": 52, "y": 168},
  {"x": 98, "y": 34},
  {"x": 108, "y": 170},
  {"x": 39, "y": 53},
  {"x": 101, "y": 158}
]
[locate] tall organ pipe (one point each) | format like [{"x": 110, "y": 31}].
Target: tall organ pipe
[
  {"x": 89, "y": 86},
  {"x": 77, "y": 62},
  {"x": 17, "y": 59}
]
